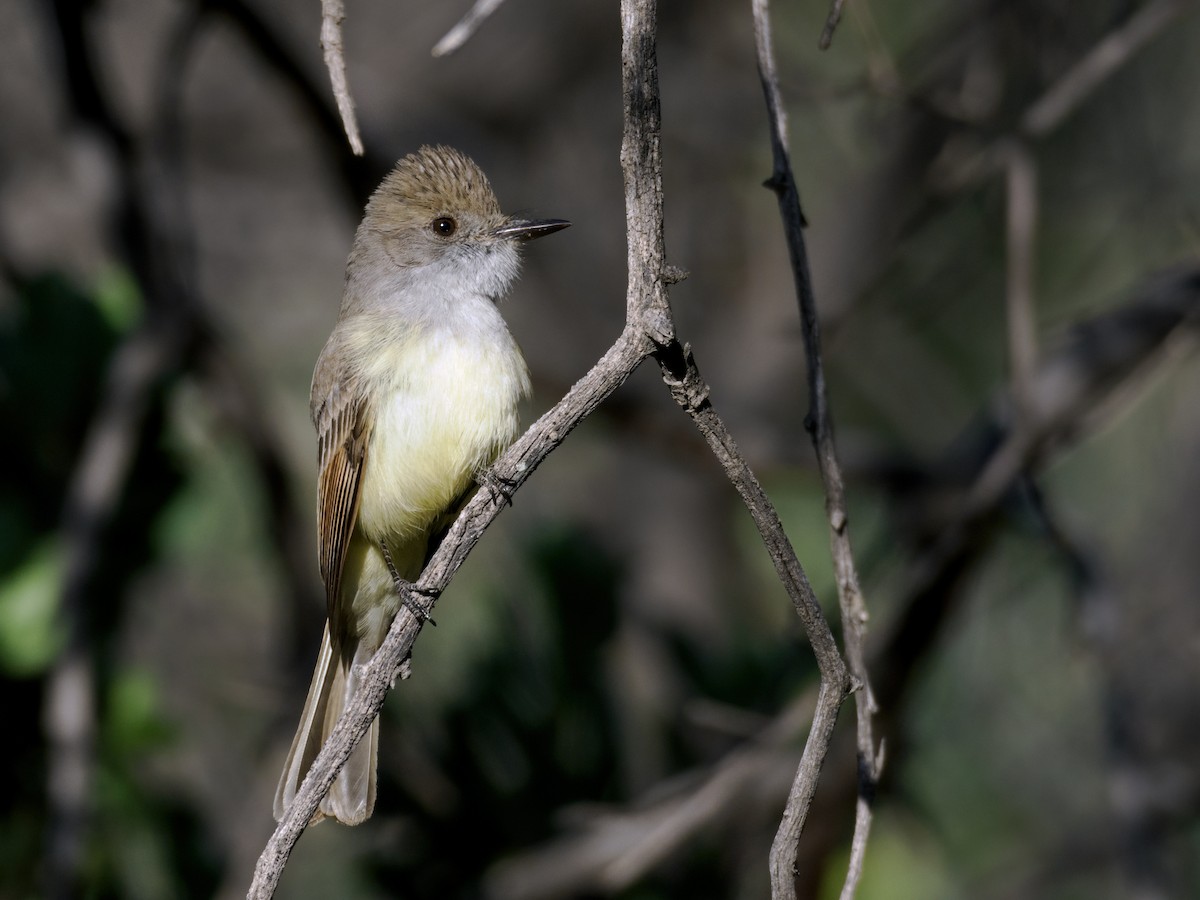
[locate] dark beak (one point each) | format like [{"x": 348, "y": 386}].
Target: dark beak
[{"x": 525, "y": 230}]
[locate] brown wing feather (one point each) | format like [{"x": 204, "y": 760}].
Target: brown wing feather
[{"x": 343, "y": 431}]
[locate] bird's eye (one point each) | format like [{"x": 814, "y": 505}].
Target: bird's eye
[{"x": 443, "y": 226}]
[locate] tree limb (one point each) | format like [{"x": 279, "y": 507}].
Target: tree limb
[
  {"x": 820, "y": 425},
  {"x": 1104, "y": 354},
  {"x": 512, "y": 468},
  {"x": 649, "y": 331}
]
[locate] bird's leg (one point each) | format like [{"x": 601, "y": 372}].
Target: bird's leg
[{"x": 406, "y": 589}]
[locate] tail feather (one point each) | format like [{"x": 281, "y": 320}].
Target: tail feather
[{"x": 351, "y": 798}]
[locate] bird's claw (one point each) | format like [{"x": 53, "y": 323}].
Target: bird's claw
[{"x": 406, "y": 590}]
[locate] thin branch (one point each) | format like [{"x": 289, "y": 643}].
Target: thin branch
[
  {"x": 461, "y": 33},
  {"x": 651, "y": 827},
  {"x": 648, "y": 273},
  {"x": 358, "y": 173},
  {"x": 333, "y": 12},
  {"x": 1045, "y": 114},
  {"x": 512, "y": 468},
  {"x": 649, "y": 330},
  {"x": 691, "y": 393},
  {"x": 820, "y": 425},
  {"x": 616, "y": 846},
  {"x": 831, "y": 23},
  {"x": 1082, "y": 380},
  {"x": 1113, "y": 51},
  {"x": 689, "y": 390}
]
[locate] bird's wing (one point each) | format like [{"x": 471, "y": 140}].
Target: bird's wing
[{"x": 343, "y": 428}]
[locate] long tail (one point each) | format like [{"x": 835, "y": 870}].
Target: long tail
[{"x": 351, "y": 799}]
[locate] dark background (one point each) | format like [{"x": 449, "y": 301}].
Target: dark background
[{"x": 176, "y": 205}]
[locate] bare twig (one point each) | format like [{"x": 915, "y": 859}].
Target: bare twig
[
  {"x": 831, "y": 23},
  {"x": 1112, "y": 52},
  {"x": 358, "y": 173},
  {"x": 333, "y": 12},
  {"x": 691, "y": 393},
  {"x": 1110, "y": 350},
  {"x": 615, "y": 846},
  {"x": 1072, "y": 89},
  {"x": 820, "y": 424},
  {"x": 512, "y": 468},
  {"x": 461, "y": 33},
  {"x": 1074, "y": 381},
  {"x": 649, "y": 330}
]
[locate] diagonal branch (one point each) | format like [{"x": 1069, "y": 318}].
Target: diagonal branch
[
  {"x": 1070, "y": 91},
  {"x": 649, "y": 330},
  {"x": 461, "y": 33},
  {"x": 689, "y": 390},
  {"x": 512, "y": 468},
  {"x": 1110, "y": 53},
  {"x": 820, "y": 426},
  {"x": 615, "y": 845},
  {"x": 831, "y": 23}
]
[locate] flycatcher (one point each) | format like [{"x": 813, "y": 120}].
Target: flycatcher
[{"x": 413, "y": 397}]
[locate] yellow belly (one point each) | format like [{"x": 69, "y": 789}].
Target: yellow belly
[
  {"x": 445, "y": 404},
  {"x": 450, "y": 409}
]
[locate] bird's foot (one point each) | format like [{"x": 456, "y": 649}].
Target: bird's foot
[
  {"x": 406, "y": 590},
  {"x": 501, "y": 490}
]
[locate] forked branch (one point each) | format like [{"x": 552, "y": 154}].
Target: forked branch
[
  {"x": 649, "y": 330},
  {"x": 820, "y": 425}
]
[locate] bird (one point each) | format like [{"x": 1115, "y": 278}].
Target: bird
[{"x": 414, "y": 395}]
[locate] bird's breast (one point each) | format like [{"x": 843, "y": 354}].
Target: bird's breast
[{"x": 446, "y": 406}]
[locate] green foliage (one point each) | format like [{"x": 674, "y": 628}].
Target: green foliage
[
  {"x": 54, "y": 345},
  {"x": 56, "y": 342},
  {"x": 30, "y": 634}
]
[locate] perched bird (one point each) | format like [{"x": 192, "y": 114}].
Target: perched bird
[{"x": 413, "y": 397}]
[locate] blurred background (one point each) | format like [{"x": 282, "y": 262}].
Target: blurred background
[{"x": 617, "y": 692}]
